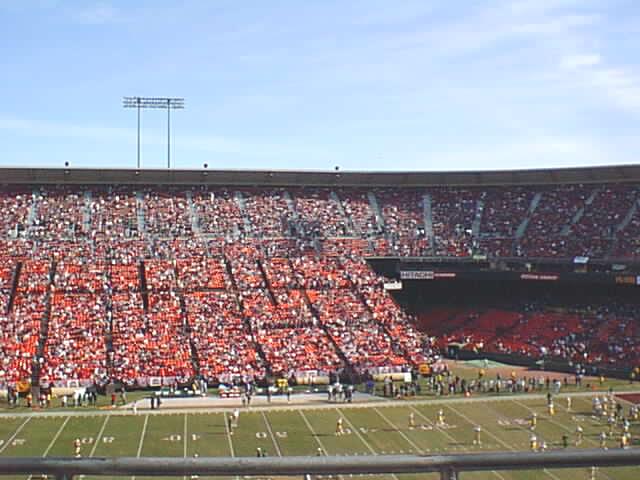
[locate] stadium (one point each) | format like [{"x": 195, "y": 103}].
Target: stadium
[
  {"x": 320, "y": 240},
  {"x": 425, "y": 313}
]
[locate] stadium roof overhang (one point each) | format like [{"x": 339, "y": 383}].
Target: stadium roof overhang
[{"x": 610, "y": 174}]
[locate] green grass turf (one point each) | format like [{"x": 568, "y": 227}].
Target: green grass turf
[{"x": 369, "y": 431}]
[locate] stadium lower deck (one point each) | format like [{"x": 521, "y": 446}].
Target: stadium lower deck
[{"x": 376, "y": 429}]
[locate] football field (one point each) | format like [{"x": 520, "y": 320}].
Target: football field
[{"x": 368, "y": 430}]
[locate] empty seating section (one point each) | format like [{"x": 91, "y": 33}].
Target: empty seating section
[
  {"x": 135, "y": 282},
  {"x": 602, "y": 334}
]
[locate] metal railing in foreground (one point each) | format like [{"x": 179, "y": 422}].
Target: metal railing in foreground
[{"x": 449, "y": 466}]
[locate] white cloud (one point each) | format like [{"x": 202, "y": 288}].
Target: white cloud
[
  {"x": 536, "y": 152},
  {"x": 572, "y": 62}
]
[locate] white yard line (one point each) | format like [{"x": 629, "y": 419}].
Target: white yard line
[
  {"x": 226, "y": 427},
  {"x": 56, "y": 436},
  {"x": 313, "y": 433},
  {"x": 446, "y": 434},
  {"x": 273, "y": 438},
  {"x": 554, "y": 422},
  {"x": 142, "y": 434},
  {"x": 185, "y": 440},
  {"x": 100, "y": 433},
  {"x": 413, "y": 444},
  {"x": 15, "y": 434},
  {"x": 357, "y": 432},
  {"x": 53, "y": 441},
  {"x": 441, "y": 430},
  {"x": 506, "y": 445}
]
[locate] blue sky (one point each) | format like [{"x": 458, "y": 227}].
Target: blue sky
[{"x": 309, "y": 84}]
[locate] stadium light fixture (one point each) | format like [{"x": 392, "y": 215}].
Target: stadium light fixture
[{"x": 156, "y": 103}]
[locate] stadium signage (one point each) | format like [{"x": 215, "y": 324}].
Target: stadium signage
[
  {"x": 393, "y": 285},
  {"x": 627, "y": 280},
  {"x": 425, "y": 275},
  {"x": 539, "y": 276}
]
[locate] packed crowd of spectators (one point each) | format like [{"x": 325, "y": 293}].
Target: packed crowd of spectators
[
  {"x": 166, "y": 213},
  {"x": 114, "y": 212},
  {"x": 268, "y": 212},
  {"x": 558, "y": 205},
  {"x": 504, "y": 209},
  {"x": 304, "y": 349},
  {"x": 453, "y": 212},
  {"x": 218, "y": 212},
  {"x": 75, "y": 348},
  {"x": 320, "y": 214},
  {"x": 15, "y": 204},
  {"x": 167, "y": 281},
  {"x": 358, "y": 208},
  {"x": 403, "y": 213},
  {"x": 628, "y": 241},
  {"x": 59, "y": 213},
  {"x": 128, "y": 223},
  {"x": 222, "y": 341}
]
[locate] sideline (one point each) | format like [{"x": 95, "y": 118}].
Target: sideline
[{"x": 507, "y": 397}]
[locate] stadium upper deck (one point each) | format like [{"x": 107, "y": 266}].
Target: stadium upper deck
[{"x": 564, "y": 213}]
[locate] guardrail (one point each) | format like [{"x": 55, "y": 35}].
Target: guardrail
[{"x": 449, "y": 466}]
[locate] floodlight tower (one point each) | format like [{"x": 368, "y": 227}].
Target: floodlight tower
[{"x": 155, "y": 102}]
